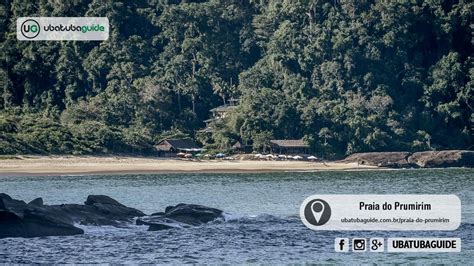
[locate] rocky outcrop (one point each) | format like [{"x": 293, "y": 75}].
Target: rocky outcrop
[
  {"x": 426, "y": 159},
  {"x": 381, "y": 159},
  {"x": 101, "y": 199},
  {"x": 36, "y": 202},
  {"x": 103, "y": 210},
  {"x": 19, "y": 219},
  {"x": 179, "y": 216},
  {"x": 450, "y": 158},
  {"x": 34, "y": 219}
]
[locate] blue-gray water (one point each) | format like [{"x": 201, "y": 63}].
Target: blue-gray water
[{"x": 265, "y": 227}]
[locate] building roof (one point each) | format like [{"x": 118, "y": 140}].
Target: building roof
[
  {"x": 180, "y": 144},
  {"x": 293, "y": 143},
  {"x": 206, "y": 130},
  {"x": 223, "y": 108}
]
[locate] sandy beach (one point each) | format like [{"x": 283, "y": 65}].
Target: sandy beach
[{"x": 63, "y": 165}]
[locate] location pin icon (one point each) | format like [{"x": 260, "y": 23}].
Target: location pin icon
[{"x": 317, "y": 208}]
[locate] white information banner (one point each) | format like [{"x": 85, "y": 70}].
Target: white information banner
[
  {"x": 62, "y": 28},
  {"x": 381, "y": 212}
]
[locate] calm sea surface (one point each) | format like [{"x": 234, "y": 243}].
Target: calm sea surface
[{"x": 263, "y": 226}]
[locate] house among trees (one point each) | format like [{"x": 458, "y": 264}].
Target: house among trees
[
  {"x": 289, "y": 146},
  {"x": 221, "y": 111},
  {"x": 218, "y": 114},
  {"x": 170, "y": 147}
]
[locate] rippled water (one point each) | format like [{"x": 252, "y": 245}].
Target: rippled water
[{"x": 264, "y": 228}]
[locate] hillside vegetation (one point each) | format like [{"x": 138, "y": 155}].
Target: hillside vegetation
[{"x": 347, "y": 76}]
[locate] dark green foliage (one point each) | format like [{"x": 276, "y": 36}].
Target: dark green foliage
[{"x": 347, "y": 76}]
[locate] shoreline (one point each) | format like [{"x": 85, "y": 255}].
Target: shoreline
[{"x": 97, "y": 165}]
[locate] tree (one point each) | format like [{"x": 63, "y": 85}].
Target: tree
[{"x": 348, "y": 76}]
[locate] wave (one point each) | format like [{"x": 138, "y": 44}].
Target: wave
[{"x": 252, "y": 219}]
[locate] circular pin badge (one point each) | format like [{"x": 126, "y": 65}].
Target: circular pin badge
[{"x": 315, "y": 212}]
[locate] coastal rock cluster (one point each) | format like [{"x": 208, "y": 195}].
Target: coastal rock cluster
[
  {"x": 35, "y": 219},
  {"x": 181, "y": 215},
  {"x": 425, "y": 159}
]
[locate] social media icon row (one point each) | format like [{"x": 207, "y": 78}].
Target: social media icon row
[{"x": 359, "y": 245}]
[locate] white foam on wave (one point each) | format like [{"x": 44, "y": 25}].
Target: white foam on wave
[
  {"x": 228, "y": 217},
  {"x": 107, "y": 229},
  {"x": 231, "y": 216}
]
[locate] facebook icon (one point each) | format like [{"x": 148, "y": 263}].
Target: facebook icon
[{"x": 341, "y": 244}]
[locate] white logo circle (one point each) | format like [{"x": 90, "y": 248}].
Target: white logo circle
[{"x": 30, "y": 28}]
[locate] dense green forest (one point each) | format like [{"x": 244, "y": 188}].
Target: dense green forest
[{"x": 347, "y": 76}]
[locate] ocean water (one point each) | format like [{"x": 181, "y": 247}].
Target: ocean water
[{"x": 262, "y": 224}]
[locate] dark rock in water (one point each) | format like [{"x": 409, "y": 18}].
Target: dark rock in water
[
  {"x": 179, "y": 216},
  {"x": 36, "y": 202},
  {"x": 102, "y": 199},
  {"x": 102, "y": 210},
  {"x": 192, "y": 214},
  {"x": 12, "y": 205},
  {"x": 5, "y": 196},
  {"x": 99, "y": 213},
  {"x": 450, "y": 158},
  {"x": 11, "y": 225},
  {"x": 381, "y": 159},
  {"x": 18, "y": 219},
  {"x": 44, "y": 222}
]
